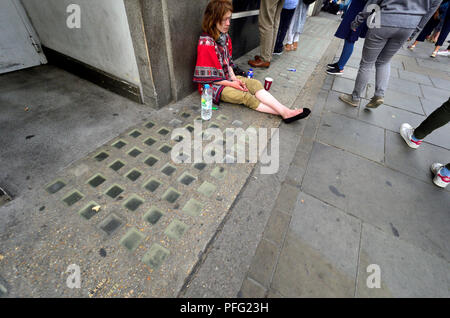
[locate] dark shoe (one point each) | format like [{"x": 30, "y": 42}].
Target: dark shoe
[
  {"x": 277, "y": 52},
  {"x": 334, "y": 65},
  {"x": 259, "y": 63},
  {"x": 304, "y": 114},
  {"x": 335, "y": 71}
]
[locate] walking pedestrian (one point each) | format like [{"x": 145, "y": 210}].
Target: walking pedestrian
[
  {"x": 440, "y": 23},
  {"x": 285, "y": 21},
  {"x": 444, "y": 52},
  {"x": 350, "y": 37},
  {"x": 414, "y": 137},
  {"x": 269, "y": 21},
  {"x": 399, "y": 20},
  {"x": 426, "y": 32},
  {"x": 443, "y": 34}
]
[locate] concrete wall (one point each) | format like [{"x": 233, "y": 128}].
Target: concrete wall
[
  {"x": 172, "y": 28},
  {"x": 184, "y": 21},
  {"x": 103, "y": 41}
]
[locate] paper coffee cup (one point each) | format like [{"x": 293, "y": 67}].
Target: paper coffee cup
[{"x": 268, "y": 83}]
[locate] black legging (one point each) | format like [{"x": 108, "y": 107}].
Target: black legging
[
  {"x": 445, "y": 30},
  {"x": 429, "y": 27},
  {"x": 437, "y": 119}
]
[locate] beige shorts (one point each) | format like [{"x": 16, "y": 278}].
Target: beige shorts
[{"x": 235, "y": 96}]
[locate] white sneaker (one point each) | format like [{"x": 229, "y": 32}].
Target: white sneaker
[
  {"x": 406, "y": 131},
  {"x": 439, "y": 179},
  {"x": 444, "y": 53}
]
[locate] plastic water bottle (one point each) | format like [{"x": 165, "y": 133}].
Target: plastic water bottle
[{"x": 207, "y": 102}]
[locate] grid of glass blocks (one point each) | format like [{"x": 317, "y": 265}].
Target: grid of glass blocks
[
  {"x": 88, "y": 211},
  {"x": 73, "y": 197},
  {"x": 114, "y": 191},
  {"x": 132, "y": 239},
  {"x": 133, "y": 203},
  {"x": 153, "y": 215},
  {"x": 152, "y": 185},
  {"x": 96, "y": 180},
  {"x": 55, "y": 186}
]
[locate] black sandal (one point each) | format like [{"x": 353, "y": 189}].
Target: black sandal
[{"x": 304, "y": 114}]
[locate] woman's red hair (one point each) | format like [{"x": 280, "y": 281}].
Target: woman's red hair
[{"x": 214, "y": 13}]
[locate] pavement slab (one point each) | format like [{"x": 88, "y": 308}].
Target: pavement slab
[
  {"x": 427, "y": 276},
  {"x": 352, "y": 135},
  {"x": 413, "y": 162},
  {"x": 393, "y": 198}
]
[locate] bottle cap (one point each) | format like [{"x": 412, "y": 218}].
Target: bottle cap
[{"x": 207, "y": 86}]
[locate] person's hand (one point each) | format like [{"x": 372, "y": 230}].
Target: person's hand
[
  {"x": 239, "y": 85},
  {"x": 242, "y": 84}
]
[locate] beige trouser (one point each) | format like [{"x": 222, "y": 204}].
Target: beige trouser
[
  {"x": 235, "y": 96},
  {"x": 269, "y": 21}
]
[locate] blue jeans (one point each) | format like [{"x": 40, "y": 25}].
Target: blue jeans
[{"x": 347, "y": 52}]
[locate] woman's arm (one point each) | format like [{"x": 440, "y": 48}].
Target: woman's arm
[{"x": 235, "y": 82}]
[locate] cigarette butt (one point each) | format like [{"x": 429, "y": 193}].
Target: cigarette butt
[{"x": 96, "y": 208}]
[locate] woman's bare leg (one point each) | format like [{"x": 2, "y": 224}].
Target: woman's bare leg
[
  {"x": 268, "y": 100},
  {"x": 266, "y": 109}
]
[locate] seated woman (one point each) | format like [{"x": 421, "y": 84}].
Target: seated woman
[{"x": 215, "y": 67}]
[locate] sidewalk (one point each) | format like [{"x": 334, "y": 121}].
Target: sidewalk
[
  {"x": 352, "y": 195},
  {"x": 348, "y": 193}
]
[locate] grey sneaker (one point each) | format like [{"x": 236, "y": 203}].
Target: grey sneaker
[
  {"x": 348, "y": 99},
  {"x": 375, "y": 102}
]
